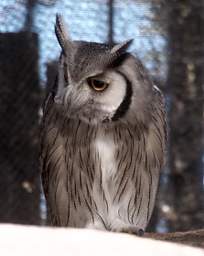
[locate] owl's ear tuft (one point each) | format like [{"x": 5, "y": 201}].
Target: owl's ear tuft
[
  {"x": 122, "y": 47},
  {"x": 61, "y": 32}
]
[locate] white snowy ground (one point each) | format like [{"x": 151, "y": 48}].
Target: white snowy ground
[{"x": 17, "y": 240}]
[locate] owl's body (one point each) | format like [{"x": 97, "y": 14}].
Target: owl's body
[{"x": 102, "y": 149}]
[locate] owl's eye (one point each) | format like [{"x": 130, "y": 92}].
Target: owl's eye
[{"x": 97, "y": 85}]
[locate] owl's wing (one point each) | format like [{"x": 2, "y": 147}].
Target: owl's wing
[
  {"x": 158, "y": 131},
  {"x": 47, "y": 108},
  {"x": 161, "y": 114},
  {"x": 43, "y": 155}
]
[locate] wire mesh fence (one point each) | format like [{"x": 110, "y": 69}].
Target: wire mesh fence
[
  {"x": 28, "y": 55},
  {"x": 29, "y": 50}
]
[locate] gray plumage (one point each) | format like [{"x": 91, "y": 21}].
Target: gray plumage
[{"x": 102, "y": 149}]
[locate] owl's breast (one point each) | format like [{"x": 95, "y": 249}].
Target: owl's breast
[
  {"x": 105, "y": 150},
  {"x": 107, "y": 169},
  {"x": 112, "y": 159},
  {"x": 113, "y": 188},
  {"x": 105, "y": 173}
]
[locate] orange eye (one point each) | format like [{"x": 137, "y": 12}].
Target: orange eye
[{"x": 97, "y": 85}]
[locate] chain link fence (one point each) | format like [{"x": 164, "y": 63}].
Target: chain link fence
[{"x": 28, "y": 57}]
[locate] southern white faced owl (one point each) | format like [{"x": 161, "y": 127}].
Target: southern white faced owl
[{"x": 103, "y": 138}]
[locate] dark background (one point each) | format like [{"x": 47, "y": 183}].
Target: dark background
[{"x": 169, "y": 39}]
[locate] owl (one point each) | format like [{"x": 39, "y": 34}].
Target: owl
[{"x": 103, "y": 138}]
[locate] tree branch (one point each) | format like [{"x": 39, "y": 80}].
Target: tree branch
[{"x": 193, "y": 238}]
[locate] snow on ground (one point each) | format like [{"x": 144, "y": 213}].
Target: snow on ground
[{"x": 36, "y": 241}]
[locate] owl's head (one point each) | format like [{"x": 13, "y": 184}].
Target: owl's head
[{"x": 100, "y": 83}]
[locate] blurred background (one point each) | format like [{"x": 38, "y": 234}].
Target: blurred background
[{"x": 168, "y": 38}]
